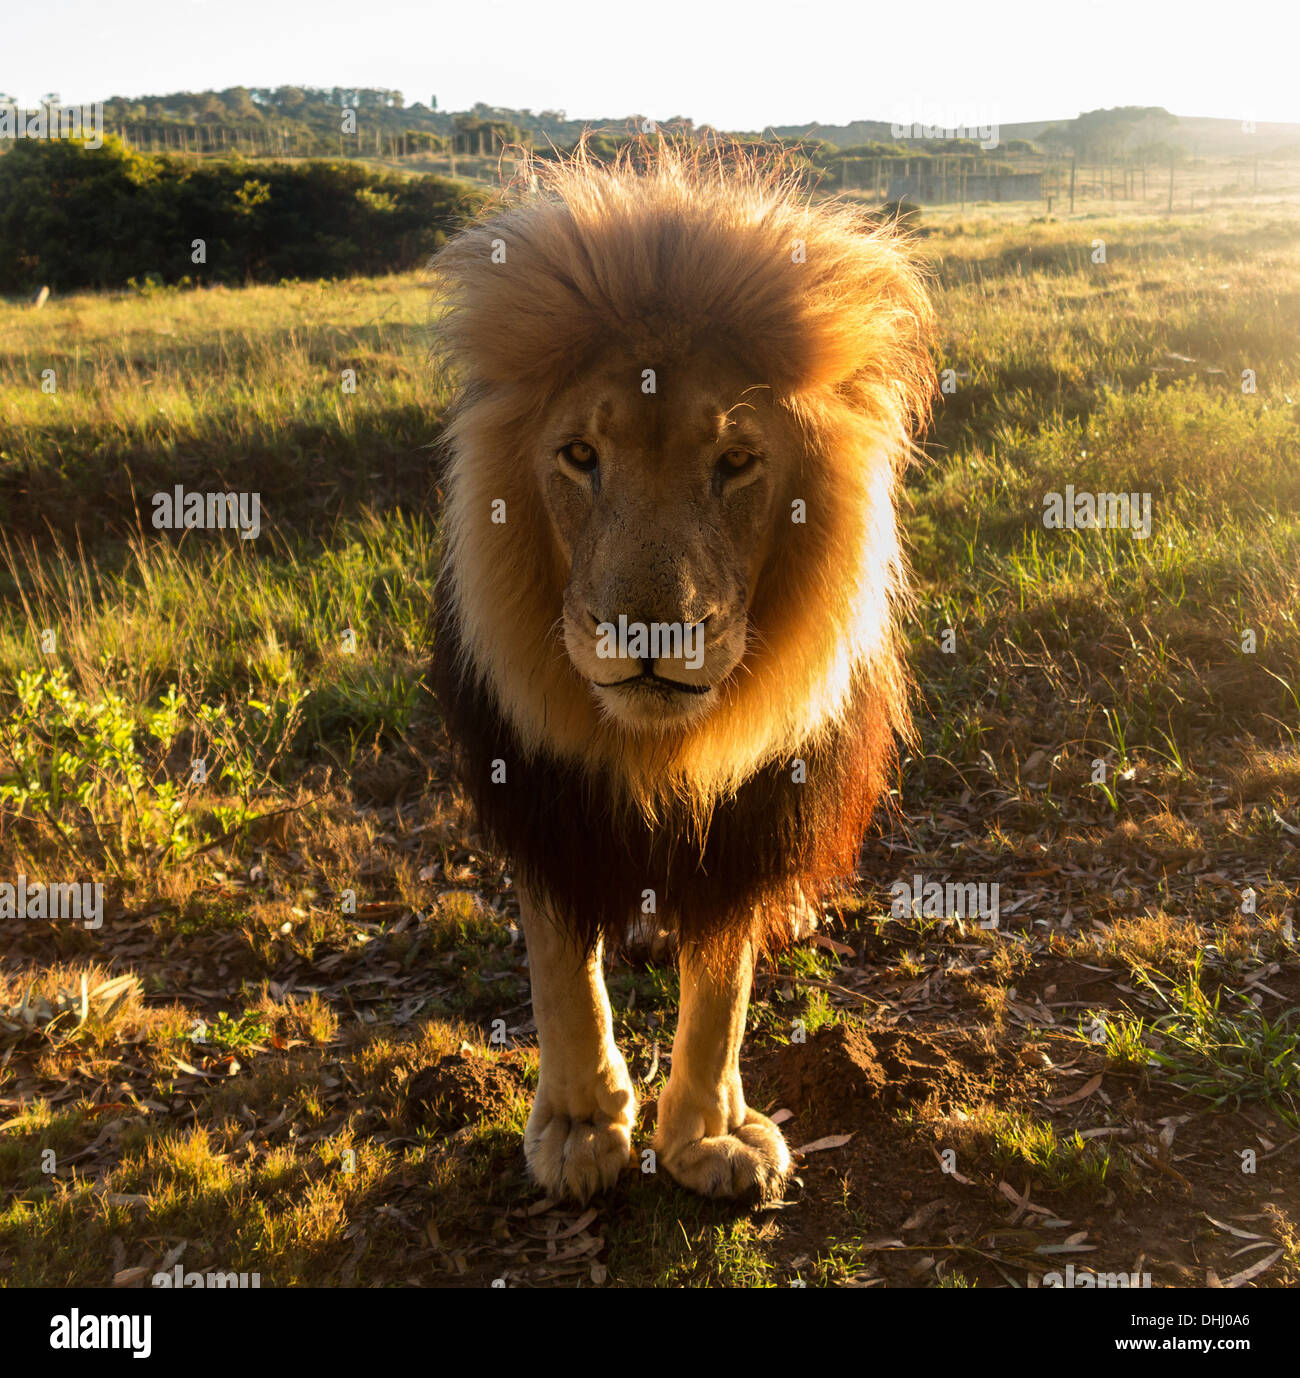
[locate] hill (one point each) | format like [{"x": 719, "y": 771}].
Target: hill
[{"x": 320, "y": 121}]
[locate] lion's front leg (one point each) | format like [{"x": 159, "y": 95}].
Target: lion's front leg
[
  {"x": 707, "y": 1138},
  {"x": 579, "y": 1135}
]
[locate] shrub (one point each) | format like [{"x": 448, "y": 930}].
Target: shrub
[{"x": 73, "y": 217}]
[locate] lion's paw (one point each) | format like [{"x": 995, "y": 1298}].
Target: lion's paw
[
  {"x": 752, "y": 1162},
  {"x": 573, "y": 1158}
]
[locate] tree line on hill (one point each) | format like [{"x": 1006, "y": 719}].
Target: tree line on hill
[
  {"x": 346, "y": 121},
  {"x": 311, "y": 121},
  {"x": 72, "y": 217}
]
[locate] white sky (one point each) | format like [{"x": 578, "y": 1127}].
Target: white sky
[{"x": 738, "y": 64}]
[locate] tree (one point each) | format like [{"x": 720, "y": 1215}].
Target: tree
[
  {"x": 292, "y": 100},
  {"x": 1102, "y": 134},
  {"x": 239, "y": 103}
]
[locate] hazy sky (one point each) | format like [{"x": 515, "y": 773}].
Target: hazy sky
[{"x": 738, "y": 64}]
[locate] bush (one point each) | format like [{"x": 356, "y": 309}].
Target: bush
[
  {"x": 73, "y": 217},
  {"x": 906, "y": 213}
]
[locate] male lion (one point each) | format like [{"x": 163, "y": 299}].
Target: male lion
[{"x": 666, "y": 651}]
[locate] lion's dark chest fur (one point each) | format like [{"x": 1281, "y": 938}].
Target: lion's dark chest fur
[{"x": 784, "y": 832}]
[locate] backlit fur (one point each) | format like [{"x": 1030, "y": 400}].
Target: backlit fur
[{"x": 664, "y": 259}]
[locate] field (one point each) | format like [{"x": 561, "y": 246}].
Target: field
[{"x": 300, "y": 1043}]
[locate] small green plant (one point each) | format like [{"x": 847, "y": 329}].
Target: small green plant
[
  {"x": 1122, "y": 1037},
  {"x": 1228, "y": 1056},
  {"x": 102, "y": 775},
  {"x": 249, "y": 1031},
  {"x": 1066, "y": 1162},
  {"x": 818, "y": 1012},
  {"x": 1013, "y": 1138}
]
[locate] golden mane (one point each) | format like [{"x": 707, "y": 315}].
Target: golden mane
[{"x": 659, "y": 256}]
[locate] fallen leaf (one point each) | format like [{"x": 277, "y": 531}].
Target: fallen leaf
[
  {"x": 578, "y": 1225},
  {"x": 842, "y": 949},
  {"x": 954, "y": 1174},
  {"x": 1082, "y": 1093},
  {"x": 1232, "y": 1229},
  {"x": 880, "y": 1242},
  {"x": 830, "y": 1141},
  {"x": 1255, "y": 1269},
  {"x": 923, "y": 1214}
]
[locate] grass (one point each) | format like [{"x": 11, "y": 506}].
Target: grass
[
  {"x": 243, "y": 390},
  {"x": 1214, "y": 1046},
  {"x": 1012, "y": 1140},
  {"x": 1112, "y": 732}
]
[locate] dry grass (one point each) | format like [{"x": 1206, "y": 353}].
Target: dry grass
[{"x": 358, "y": 933}]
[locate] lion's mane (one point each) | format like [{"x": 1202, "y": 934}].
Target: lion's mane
[{"x": 657, "y": 258}]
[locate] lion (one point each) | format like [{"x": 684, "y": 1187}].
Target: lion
[{"x": 666, "y": 645}]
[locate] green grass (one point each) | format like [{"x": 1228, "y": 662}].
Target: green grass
[
  {"x": 238, "y": 390},
  {"x": 227, "y": 897},
  {"x": 1219, "y": 1047}
]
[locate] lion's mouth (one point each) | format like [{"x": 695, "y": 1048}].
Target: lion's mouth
[{"x": 648, "y": 682}]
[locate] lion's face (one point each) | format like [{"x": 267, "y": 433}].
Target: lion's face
[
  {"x": 719, "y": 556},
  {"x": 662, "y": 493}
]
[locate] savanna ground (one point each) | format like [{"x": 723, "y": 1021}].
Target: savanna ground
[{"x": 234, "y": 1073}]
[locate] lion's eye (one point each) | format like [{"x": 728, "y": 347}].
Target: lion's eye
[
  {"x": 736, "y": 462},
  {"x": 580, "y": 455}
]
